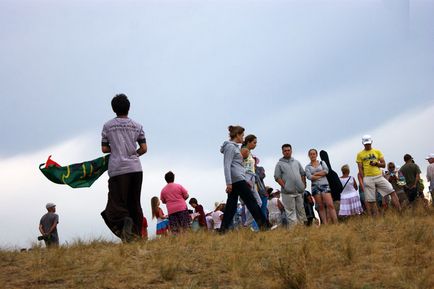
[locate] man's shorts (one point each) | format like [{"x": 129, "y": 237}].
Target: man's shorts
[{"x": 376, "y": 184}]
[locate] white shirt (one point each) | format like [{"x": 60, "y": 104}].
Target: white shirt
[
  {"x": 273, "y": 209},
  {"x": 430, "y": 176},
  {"x": 349, "y": 191},
  {"x": 216, "y": 219}
]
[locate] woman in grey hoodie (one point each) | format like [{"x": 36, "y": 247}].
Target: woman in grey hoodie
[{"x": 236, "y": 185}]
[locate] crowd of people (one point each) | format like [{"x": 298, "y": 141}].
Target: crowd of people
[{"x": 249, "y": 202}]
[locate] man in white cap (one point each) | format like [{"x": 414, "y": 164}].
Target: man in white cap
[
  {"x": 369, "y": 162},
  {"x": 430, "y": 175},
  {"x": 48, "y": 226}
]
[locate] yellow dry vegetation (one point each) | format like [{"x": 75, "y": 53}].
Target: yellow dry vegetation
[{"x": 394, "y": 251}]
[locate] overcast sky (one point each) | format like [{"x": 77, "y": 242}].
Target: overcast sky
[{"x": 312, "y": 73}]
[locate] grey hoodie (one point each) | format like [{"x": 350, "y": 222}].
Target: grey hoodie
[
  {"x": 290, "y": 171},
  {"x": 232, "y": 162}
]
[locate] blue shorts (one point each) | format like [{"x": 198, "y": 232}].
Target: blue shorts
[{"x": 319, "y": 189}]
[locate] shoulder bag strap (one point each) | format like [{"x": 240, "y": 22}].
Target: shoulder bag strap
[{"x": 349, "y": 178}]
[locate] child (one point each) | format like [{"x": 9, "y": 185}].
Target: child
[
  {"x": 162, "y": 221},
  {"x": 275, "y": 208},
  {"x": 350, "y": 199},
  {"x": 200, "y": 214},
  {"x": 217, "y": 216}
]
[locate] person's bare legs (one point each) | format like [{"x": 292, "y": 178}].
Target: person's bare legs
[
  {"x": 395, "y": 201},
  {"x": 331, "y": 211},
  {"x": 321, "y": 208},
  {"x": 372, "y": 208}
]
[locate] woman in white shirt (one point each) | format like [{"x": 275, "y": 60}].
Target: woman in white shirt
[{"x": 350, "y": 198}]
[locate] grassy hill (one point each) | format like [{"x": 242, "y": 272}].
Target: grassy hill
[{"x": 395, "y": 251}]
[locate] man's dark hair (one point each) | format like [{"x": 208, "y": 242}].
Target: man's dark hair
[
  {"x": 287, "y": 145},
  {"x": 192, "y": 201},
  {"x": 407, "y": 157},
  {"x": 120, "y": 104},
  {"x": 169, "y": 177}
]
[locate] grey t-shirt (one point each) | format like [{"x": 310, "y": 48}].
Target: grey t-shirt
[
  {"x": 122, "y": 135},
  {"x": 47, "y": 221}
]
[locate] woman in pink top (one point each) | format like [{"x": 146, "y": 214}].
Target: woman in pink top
[{"x": 174, "y": 196}]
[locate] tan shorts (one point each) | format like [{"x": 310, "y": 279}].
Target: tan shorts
[{"x": 376, "y": 184}]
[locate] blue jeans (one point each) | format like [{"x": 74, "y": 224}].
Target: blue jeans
[{"x": 241, "y": 189}]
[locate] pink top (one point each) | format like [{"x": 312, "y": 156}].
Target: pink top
[{"x": 174, "y": 196}]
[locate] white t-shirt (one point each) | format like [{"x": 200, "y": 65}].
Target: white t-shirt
[
  {"x": 273, "y": 209},
  {"x": 430, "y": 176},
  {"x": 216, "y": 219},
  {"x": 209, "y": 222}
]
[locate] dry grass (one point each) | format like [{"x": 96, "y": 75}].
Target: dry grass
[{"x": 389, "y": 252}]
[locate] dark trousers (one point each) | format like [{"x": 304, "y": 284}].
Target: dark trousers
[
  {"x": 123, "y": 210},
  {"x": 411, "y": 194},
  {"x": 241, "y": 189},
  {"x": 179, "y": 221}
]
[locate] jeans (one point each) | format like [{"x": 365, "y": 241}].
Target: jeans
[{"x": 242, "y": 189}]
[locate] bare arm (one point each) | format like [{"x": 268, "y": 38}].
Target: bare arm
[
  {"x": 281, "y": 182},
  {"x": 318, "y": 175},
  {"x": 161, "y": 215},
  {"x": 360, "y": 166},
  {"x": 162, "y": 198},
  {"x": 143, "y": 148},
  {"x": 416, "y": 182},
  {"x": 41, "y": 229},
  {"x": 380, "y": 163},
  {"x": 360, "y": 177},
  {"x": 52, "y": 228},
  {"x": 280, "y": 205},
  {"x": 355, "y": 184}
]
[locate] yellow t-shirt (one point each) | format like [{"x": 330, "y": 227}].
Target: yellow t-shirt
[{"x": 365, "y": 157}]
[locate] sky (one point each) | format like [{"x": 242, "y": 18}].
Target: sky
[{"x": 313, "y": 73}]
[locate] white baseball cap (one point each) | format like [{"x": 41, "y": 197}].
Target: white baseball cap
[
  {"x": 430, "y": 156},
  {"x": 50, "y": 205},
  {"x": 366, "y": 139}
]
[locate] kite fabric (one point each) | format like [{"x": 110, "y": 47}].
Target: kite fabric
[{"x": 81, "y": 175}]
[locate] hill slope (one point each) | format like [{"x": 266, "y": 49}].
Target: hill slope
[{"x": 389, "y": 252}]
